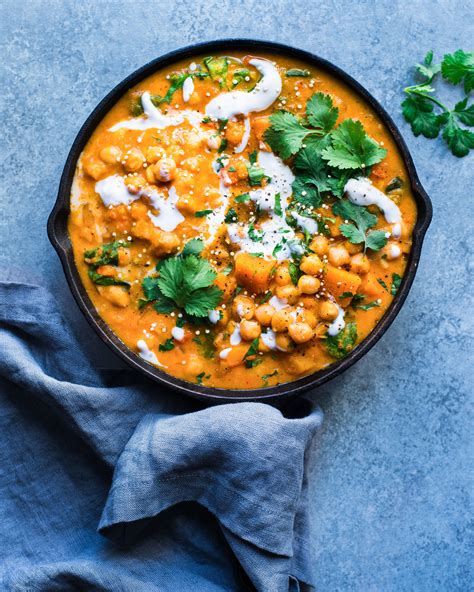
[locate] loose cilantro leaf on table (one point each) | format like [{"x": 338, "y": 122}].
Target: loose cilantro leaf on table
[
  {"x": 427, "y": 115},
  {"x": 459, "y": 66},
  {"x": 363, "y": 220},
  {"x": 185, "y": 281},
  {"x": 352, "y": 148},
  {"x": 338, "y": 346}
]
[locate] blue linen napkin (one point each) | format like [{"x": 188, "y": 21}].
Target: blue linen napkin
[{"x": 192, "y": 490}]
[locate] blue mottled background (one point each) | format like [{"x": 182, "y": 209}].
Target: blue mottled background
[{"x": 392, "y": 484}]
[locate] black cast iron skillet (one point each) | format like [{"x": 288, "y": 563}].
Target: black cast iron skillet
[{"x": 58, "y": 234}]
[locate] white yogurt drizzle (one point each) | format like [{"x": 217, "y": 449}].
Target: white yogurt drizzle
[
  {"x": 338, "y": 324},
  {"x": 278, "y": 303},
  {"x": 237, "y": 102},
  {"x": 169, "y": 216},
  {"x": 177, "y": 333},
  {"x": 361, "y": 192},
  {"x": 146, "y": 354},
  {"x": 214, "y": 316},
  {"x": 235, "y": 337},
  {"x": 114, "y": 192},
  {"x": 275, "y": 231},
  {"x": 269, "y": 339},
  {"x": 223, "y": 355},
  {"x": 216, "y": 217},
  {"x": 188, "y": 88},
  {"x": 154, "y": 119},
  {"x": 245, "y": 138},
  {"x": 305, "y": 223}
]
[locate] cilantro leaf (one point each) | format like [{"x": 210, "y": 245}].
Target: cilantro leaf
[
  {"x": 242, "y": 198},
  {"x": 168, "y": 345},
  {"x": 338, "y": 346},
  {"x": 106, "y": 254},
  {"x": 255, "y": 173},
  {"x": 428, "y": 69},
  {"x": 294, "y": 272},
  {"x": 311, "y": 176},
  {"x": 106, "y": 280},
  {"x": 464, "y": 113},
  {"x": 202, "y": 301},
  {"x": 459, "y": 140},
  {"x": 363, "y": 219},
  {"x": 231, "y": 216},
  {"x": 286, "y": 134},
  {"x": 202, "y": 213},
  {"x": 352, "y": 148},
  {"x": 278, "y": 208},
  {"x": 418, "y": 112},
  {"x": 295, "y": 73},
  {"x": 320, "y": 112},
  {"x": 193, "y": 247},
  {"x": 458, "y": 66}
]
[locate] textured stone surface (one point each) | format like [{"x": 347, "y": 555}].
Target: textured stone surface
[{"x": 391, "y": 485}]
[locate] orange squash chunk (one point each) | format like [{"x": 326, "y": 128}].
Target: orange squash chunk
[
  {"x": 253, "y": 272},
  {"x": 337, "y": 281},
  {"x": 371, "y": 287}
]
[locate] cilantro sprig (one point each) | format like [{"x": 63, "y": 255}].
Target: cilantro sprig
[
  {"x": 106, "y": 254},
  {"x": 363, "y": 220},
  {"x": 185, "y": 282},
  {"x": 428, "y": 116}
]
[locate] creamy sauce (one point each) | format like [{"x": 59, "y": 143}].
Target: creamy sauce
[
  {"x": 114, "y": 192},
  {"x": 361, "y": 192},
  {"x": 177, "y": 333},
  {"x": 146, "y": 354},
  {"x": 278, "y": 303},
  {"x": 338, "y": 324},
  {"x": 169, "y": 216},
  {"x": 188, "y": 88},
  {"x": 224, "y": 354},
  {"x": 235, "y": 337},
  {"x": 214, "y": 316},
  {"x": 269, "y": 339},
  {"x": 245, "y": 138},
  {"x": 237, "y": 102}
]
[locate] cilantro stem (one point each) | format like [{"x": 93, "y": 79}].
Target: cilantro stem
[{"x": 414, "y": 91}]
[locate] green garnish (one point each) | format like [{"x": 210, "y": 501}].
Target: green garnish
[
  {"x": 338, "y": 346},
  {"x": 206, "y": 344},
  {"x": 297, "y": 73},
  {"x": 265, "y": 377},
  {"x": 239, "y": 76},
  {"x": 200, "y": 377},
  {"x": 278, "y": 208},
  {"x": 363, "y": 220},
  {"x": 255, "y": 173},
  {"x": 168, "y": 345},
  {"x": 419, "y": 106},
  {"x": 358, "y": 298},
  {"x": 395, "y": 183},
  {"x": 252, "y": 351},
  {"x": 231, "y": 216},
  {"x": 185, "y": 281},
  {"x": 202, "y": 213},
  {"x": 396, "y": 281},
  {"x": 294, "y": 271},
  {"x": 383, "y": 284},
  {"x": 217, "y": 68},
  {"x": 106, "y": 254},
  {"x": 242, "y": 198},
  {"x": 255, "y": 235}
]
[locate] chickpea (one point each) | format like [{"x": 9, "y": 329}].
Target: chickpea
[
  {"x": 154, "y": 153},
  {"x": 338, "y": 256},
  {"x": 95, "y": 168},
  {"x": 243, "y": 307},
  {"x": 194, "y": 365},
  {"x": 116, "y": 295},
  {"x": 328, "y": 310},
  {"x": 288, "y": 293},
  {"x": 360, "y": 264},
  {"x": 164, "y": 170},
  {"x": 319, "y": 245},
  {"x": 135, "y": 184},
  {"x": 311, "y": 265},
  {"x": 133, "y": 160},
  {"x": 281, "y": 320},
  {"x": 249, "y": 330},
  {"x": 282, "y": 276},
  {"x": 308, "y": 284},
  {"x": 300, "y": 332},
  {"x": 308, "y": 317},
  {"x": 283, "y": 342},
  {"x": 309, "y": 302},
  {"x": 264, "y": 314},
  {"x": 111, "y": 154}
]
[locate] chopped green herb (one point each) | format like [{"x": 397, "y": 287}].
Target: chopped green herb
[
  {"x": 253, "y": 349},
  {"x": 346, "y": 295},
  {"x": 231, "y": 216},
  {"x": 363, "y": 219},
  {"x": 217, "y": 68},
  {"x": 255, "y": 235},
  {"x": 221, "y": 125},
  {"x": 232, "y": 169},
  {"x": 206, "y": 345},
  {"x": 396, "y": 281},
  {"x": 253, "y": 363},
  {"x": 105, "y": 280},
  {"x": 200, "y": 377},
  {"x": 223, "y": 145},
  {"x": 266, "y": 297},
  {"x": 168, "y": 345},
  {"x": 297, "y": 73},
  {"x": 265, "y": 377},
  {"x": 242, "y": 198},
  {"x": 180, "y": 322},
  {"x": 239, "y": 76},
  {"x": 338, "y": 346},
  {"x": 278, "y": 208},
  {"x": 395, "y": 183},
  {"x": 193, "y": 247},
  {"x": 202, "y": 213},
  {"x": 206, "y": 119},
  {"x": 383, "y": 284},
  {"x": 294, "y": 272}
]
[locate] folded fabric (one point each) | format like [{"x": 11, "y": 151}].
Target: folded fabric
[{"x": 174, "y": 465}]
